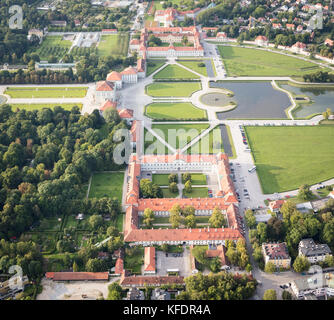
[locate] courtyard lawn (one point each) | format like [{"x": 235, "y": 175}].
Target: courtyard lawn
[
  {"x": 197, "y": 192},
  {"x": 179, "y": 136},
  {"x": 113, "y": 45},
  {"x": 46, "y": 92},
  {"x": 211, "y": 143},
  {"x": 134, "y": 259},
  {"x": 160, "y": 179},
  {"x": 288, "y": 157},
  {"x": 197, "y": 179},
  {"x": 107, "y": 184},
  {"x": 53, "y": 46},
  {"x": 167, "y": 194},
  {"x": 173, "y": 71},
  {"x": 194, "y": 65},
  {"x": 153, "y": 65},
  {"x": 175, "y": 111},
  {"x": 172, "y": 89},
  {"x": 253, "y": 62},
  {"x": 39, "y": 106}
]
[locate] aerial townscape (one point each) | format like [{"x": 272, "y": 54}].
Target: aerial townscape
[{"x": 167, "y": 150}]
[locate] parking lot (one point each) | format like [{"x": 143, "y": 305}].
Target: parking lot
[{"x": 167, "y": 261}]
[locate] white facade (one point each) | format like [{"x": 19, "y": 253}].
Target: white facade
[{"x": 177, "y": 165}]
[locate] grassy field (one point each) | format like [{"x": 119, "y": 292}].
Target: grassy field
[
  {"x": 160, "y": 179},
  {"x": 153, "y": 65},
  {"x": 173, "y": 71},
  {"x": 113, "y": 45},
  {"x": 107, "y": 184},
  {"x": 197, "y": 192},
  {"x": 252, "y": 62},
  {"x": 179, "y": 136},
  {"x": 134, "y": 259},
  {"x": 211, "y": 143},
  {"x": 153, "y": 145},
  {"x": 174, "y": 111},
  {"x": 197, "y": 179},
  {"x": 287, "y": 157},
  {"x": 39, "y": 106},
  {"x": 194, "y": 65},
  {"x": 53, "y": 46},
  {"x": 167, "y": 194},
  {"x": 172, "y": 89},
  {"x": 158, "y": 4},
  {"x": 46, "y": 92}
]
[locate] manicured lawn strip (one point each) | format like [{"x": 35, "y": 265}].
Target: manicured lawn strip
[
  {"x": 107, "y": 184},
  {"x": 211, "y": 143},
  {"x": 160, "y": 179},
  {"x": 172, "y": 89},
  {"x": 173, "y": 71},
  {"x": 119, "y": 222},
  {"x": 153, "y": 65},
  {"x": 194, "y": 66},
  {"x": 197, "y": 179},
  {"x": 153, "y": 146},
  {"x": 113, "y": 45},
  {"x": 253, "y": 62},
  {"x": 39, "y": 106},
  {"x": 179, "y": 136},
  {"x": 46, "y": 92},
  {"x": 167, "y": 194},
  {"x": 175, "y": 111},
  {"x": 199, "y": 192},
  {"x": 287, "y": 157}
]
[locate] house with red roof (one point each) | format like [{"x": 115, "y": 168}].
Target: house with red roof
[
  {"x": 262, "y": 41},
  {"x": 298, "y": 47},
  {"x": 105, "y": 90},
  {"x": 149, "y": 260},
  {"x": 276, "y": 205},
  {"x": 116, "y": 78},
  {"x": 329, "y": 42},
  {"x": 331, "y": 194}
]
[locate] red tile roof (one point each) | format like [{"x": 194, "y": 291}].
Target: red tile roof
[
  {"x": 114, "y": 76},
  {"x": 261, "y": 38},
  {"x": 108, "y": 104},
  {"x": 140, "y": 281},
  {"x": 149, "y": 259},
  {"x": 129, "y": 70},
  {"x": 77, "y": 276},
  {"x": 104, "y": 86},
  {"x": 277, "y": 204},
  {"x": 119, "y": 266},
  {"x": 276, "y": 250},
  {"x": 126, "y": 113},
  {"x": 219, "y": 252}
]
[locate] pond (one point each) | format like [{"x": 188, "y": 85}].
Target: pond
[
  {"x": 255, "y": 100},
  {"x": 322, "y": 97}
]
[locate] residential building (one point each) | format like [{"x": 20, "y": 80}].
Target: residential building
[
  {"x": 298, "y": 47},
  {"x": 275, "y": 206},
  {"x": 276, "y": 253},
  {"x": 319, "y": 285},
  {"x": 159, "y": 294},
  {"x": 329, "y": 42},
  {"x": 261, "y": 41},
  {"x": 36, "y": 32},
  {"x": 149, "y": 260},
  {"x": 331, "y": 194},
  {"x": 313, "y": 252}
]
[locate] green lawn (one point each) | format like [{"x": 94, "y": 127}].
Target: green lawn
[
  {"x": 49, "y": 224},
  {"x": 172, "y": 89},
  {"x": 46, "y": 92},
  {"x": 211, "y": 143},
  {"x": 134, "y": 259},
  {"x": 194, "y": 65},
  {"x": 153, "y": 65},
  {"x": 197, "y": 179},
  {"x": 39, "y": 106},
  {"x": 199, "y": 192},
  {"x": 287, "y": 157},
  {"x": 177, "y": 135},
  {"x": 175, "y": 111},
  {"x": 53, "y": 46},
  {"x": 253, "y": 62},
  {"x": 113, "y": 45},
  {"x": 160, "y": 179},
  {"x": 158, "y": 4},
  {"x": 153, "y": 146},
  {"x": 167, "y": 194},
  {"x": 173, "y": 71},
  {"x": 107, "y": 184}
]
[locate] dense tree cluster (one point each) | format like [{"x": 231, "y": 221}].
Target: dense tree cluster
[
  {"x": 221, "y": 286},
  {"x": 45, "y": 157},
  {"x": 319, "y": 76},
  {"x": 148, "y": 189}
]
